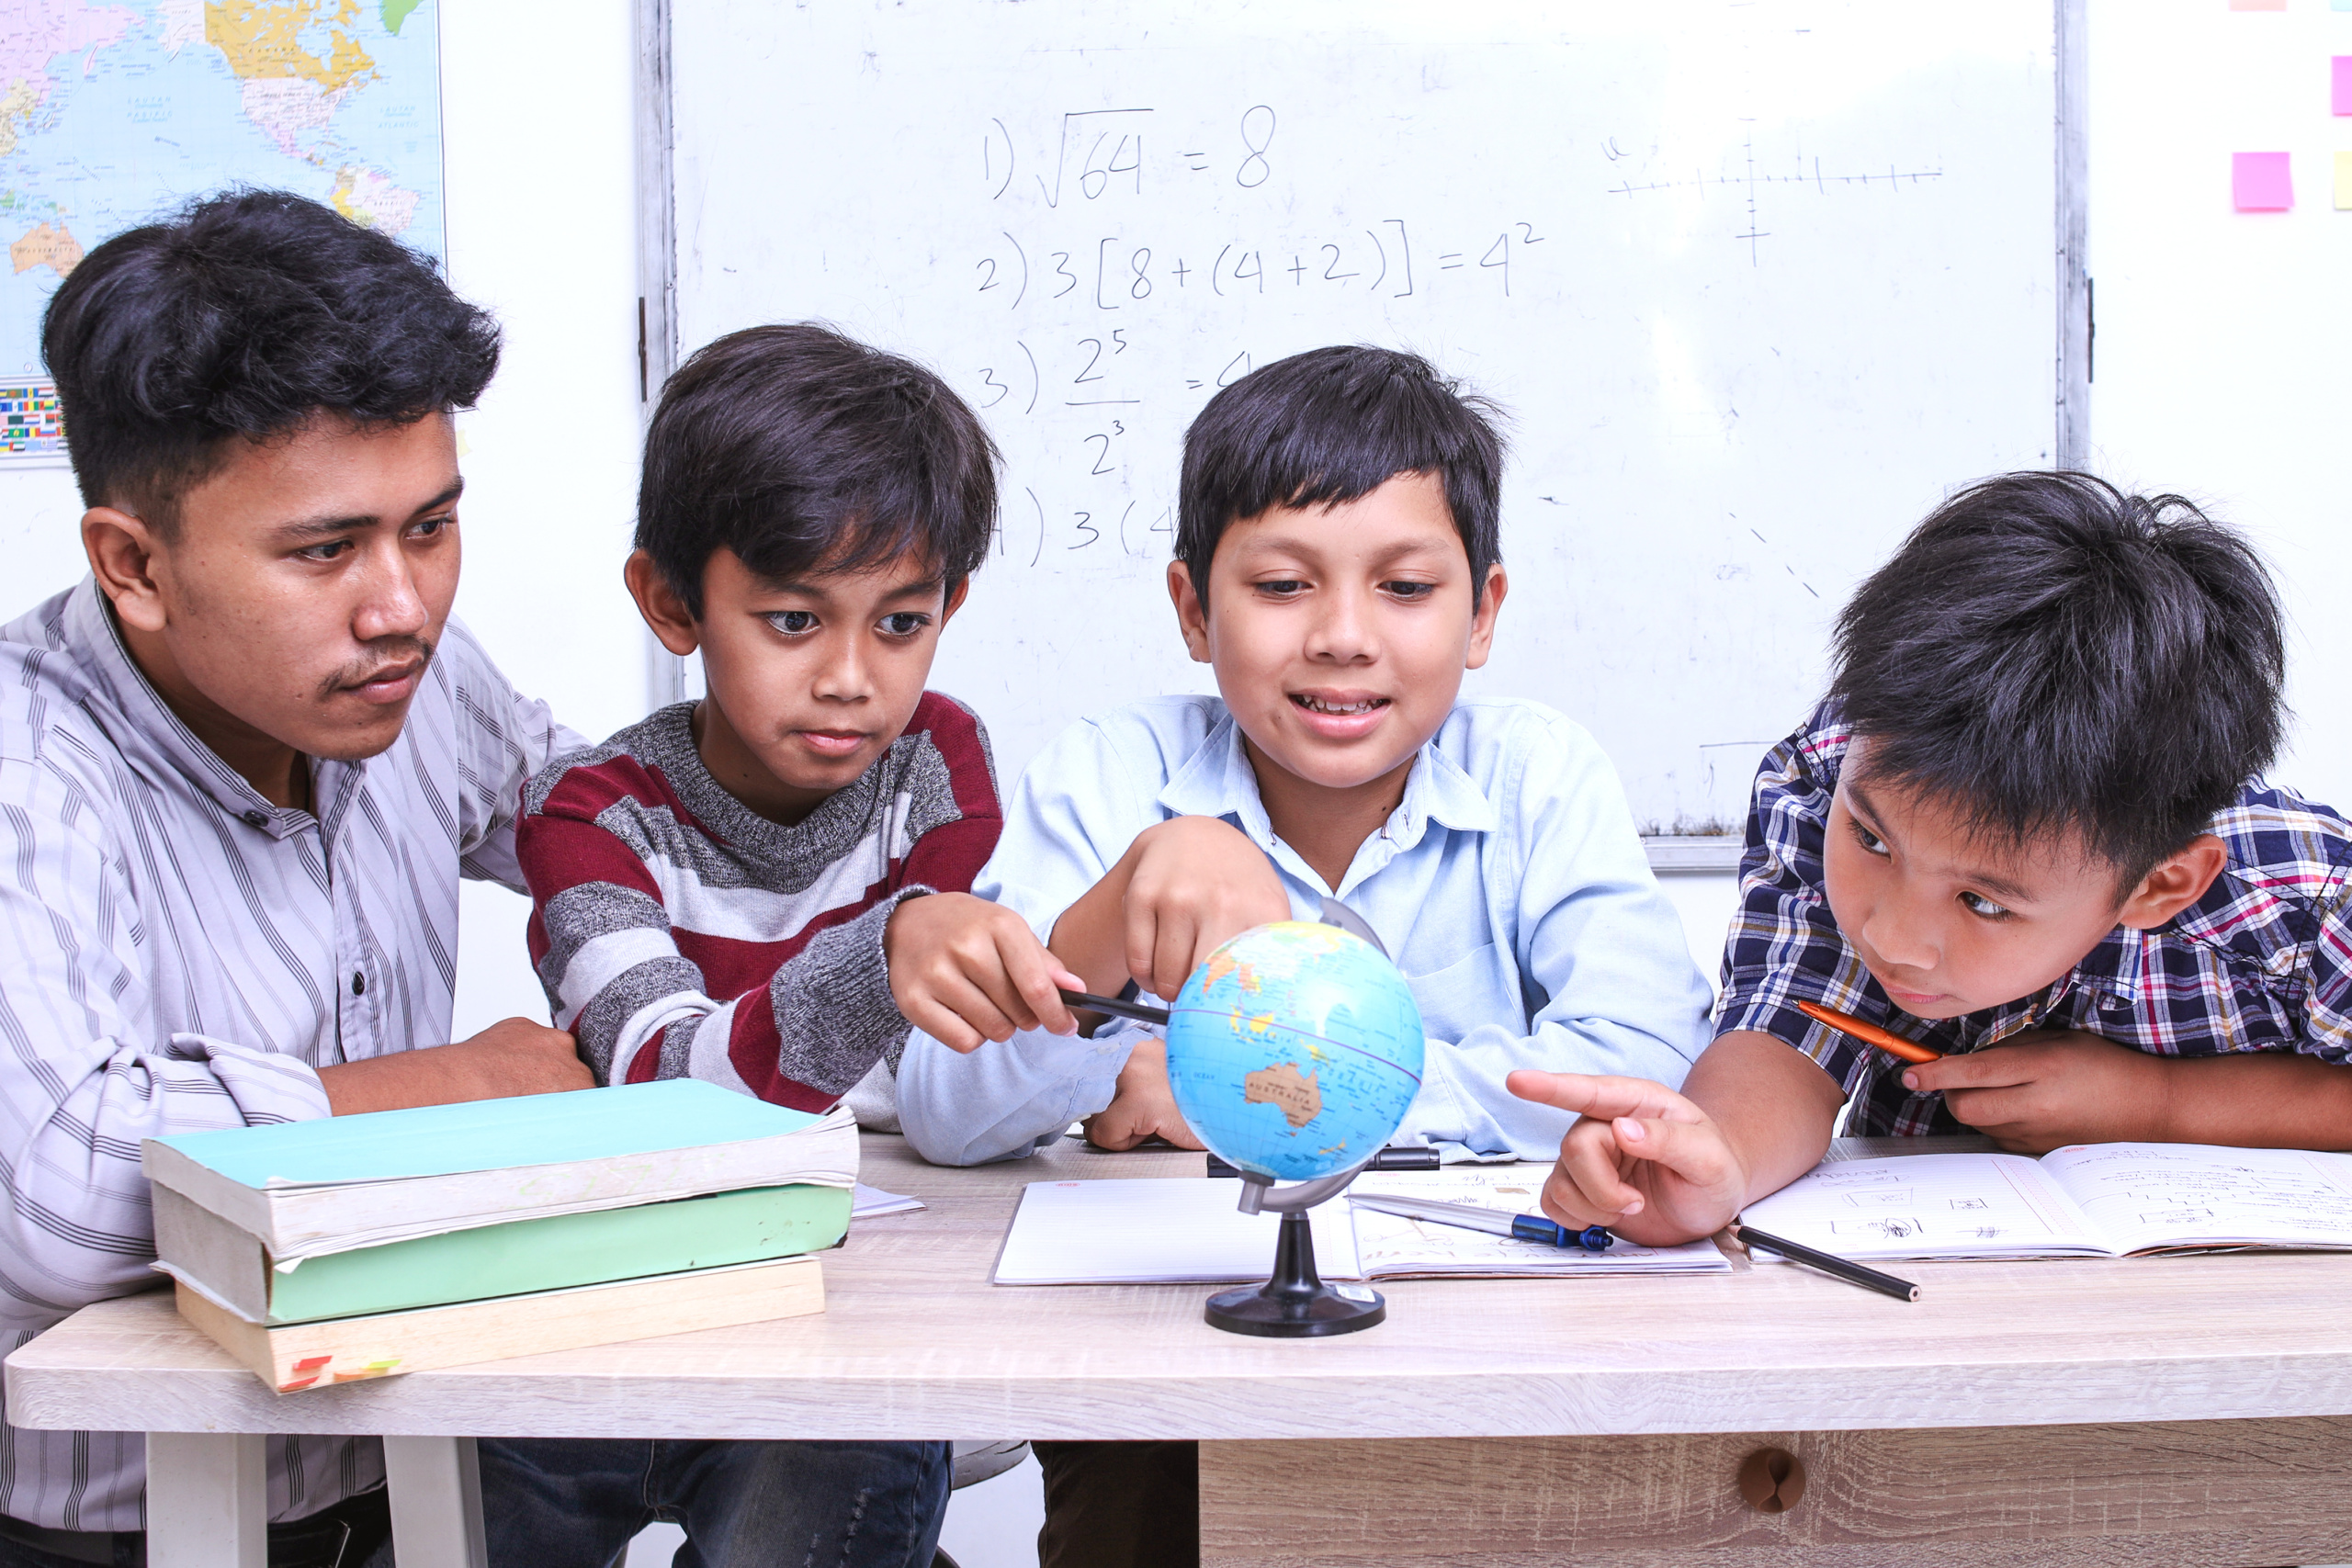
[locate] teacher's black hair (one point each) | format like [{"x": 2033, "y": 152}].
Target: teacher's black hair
[
  {"x": 802, "y": 450},
  {"x": 2050, "y": 655},
  {"x": 246, "y": 316},
  {"x": 1330, "y": 426}
]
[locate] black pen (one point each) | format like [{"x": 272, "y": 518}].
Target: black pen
[
  {"x": 1852, "y": 1273},
  {"x": 1118, "y": 1007}
]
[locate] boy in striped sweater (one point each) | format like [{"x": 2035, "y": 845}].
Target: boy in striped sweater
[
  {"x": 714, "y": 886},
  {"x": 762, "y": 888}
]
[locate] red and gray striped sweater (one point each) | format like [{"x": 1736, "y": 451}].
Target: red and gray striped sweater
[{"x": 680, "y": 934}]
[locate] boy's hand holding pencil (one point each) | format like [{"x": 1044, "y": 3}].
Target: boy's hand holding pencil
[{"x": 963, "y": 970}]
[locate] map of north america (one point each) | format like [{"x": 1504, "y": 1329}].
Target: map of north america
[{"x": 112, "y": 114}]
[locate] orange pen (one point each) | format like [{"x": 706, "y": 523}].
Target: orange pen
[{"x": 1871, "y": 1034}]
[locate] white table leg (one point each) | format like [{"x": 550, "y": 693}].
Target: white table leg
[
  {"x": 208, "y": 1500},
  {"x": 435, "y": 1485}
]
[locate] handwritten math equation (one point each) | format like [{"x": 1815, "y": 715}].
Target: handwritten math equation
[{"x": 1131, "y": 262}]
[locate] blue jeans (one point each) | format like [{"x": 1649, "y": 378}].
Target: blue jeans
[{"x": 575, "y": 1502}]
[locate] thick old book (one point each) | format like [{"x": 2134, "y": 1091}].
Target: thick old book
[
  {"x": 230, "y": 1265},
  {"x": 298, "y": 1356},
  {"x": 303, "y": 1189},
  {"x": 2084, "y": 1201}
]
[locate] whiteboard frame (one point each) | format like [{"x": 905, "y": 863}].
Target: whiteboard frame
[{"x": 668, "y": 677}]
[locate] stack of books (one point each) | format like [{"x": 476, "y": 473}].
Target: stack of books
[{"x": 357, "y": 1246}]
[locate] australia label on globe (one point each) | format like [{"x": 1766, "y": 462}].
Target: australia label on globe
[{"x": 1295, "y": 1050}]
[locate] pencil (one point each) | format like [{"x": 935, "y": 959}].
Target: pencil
[
  {"x": 1871, "y": 1034},
  {"x": 1852, "y": 1273}
]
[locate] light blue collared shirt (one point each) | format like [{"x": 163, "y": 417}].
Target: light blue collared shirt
[{"x": 1508, "y": 885}]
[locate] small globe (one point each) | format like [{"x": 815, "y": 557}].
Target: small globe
[{"x": 1294, "y": 1050}]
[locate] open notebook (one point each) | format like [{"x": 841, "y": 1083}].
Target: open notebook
[
  {"x": 1186, "y": 1231},
  {"x": 2087, "y": 1200}
]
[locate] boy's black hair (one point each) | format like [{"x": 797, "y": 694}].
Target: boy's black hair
[
  {"x": 2046, "y": 652},
  {"x": 800, "y": 450},
  {"x": 247, "y": 315},
  {"x": 1327, "y": 426}
]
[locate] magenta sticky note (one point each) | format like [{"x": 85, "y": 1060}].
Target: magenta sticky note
[
  {"x": 2343, "y": 83},
  {"x": 2259, "y": 181}
]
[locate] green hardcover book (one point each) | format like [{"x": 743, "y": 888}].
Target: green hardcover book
[{"x": 555, "y": 1252}]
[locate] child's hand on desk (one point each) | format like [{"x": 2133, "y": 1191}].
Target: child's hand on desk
[
  {"x": 2038, "y": 1092},
  {"x": 1643, "y": 1160},
  {"x": 963, "y": 970},
  {"x": 1143, "y": 1106}
]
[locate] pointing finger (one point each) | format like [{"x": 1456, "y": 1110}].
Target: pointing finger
[{"x": 1588, "y": 1094}]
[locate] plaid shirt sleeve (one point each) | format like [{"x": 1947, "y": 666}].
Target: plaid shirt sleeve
[{"x": 1785, "y": 946}]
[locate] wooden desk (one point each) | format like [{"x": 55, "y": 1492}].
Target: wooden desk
[{"x": 2153, "y": 1410}]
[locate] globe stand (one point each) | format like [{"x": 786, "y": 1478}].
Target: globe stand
[{"x": 1296, "y": 1303}]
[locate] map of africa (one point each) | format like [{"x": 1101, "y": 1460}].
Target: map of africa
[{"x": 111, "y": 114}]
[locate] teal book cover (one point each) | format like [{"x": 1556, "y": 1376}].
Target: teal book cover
[{"x": 489, "y": 1134}]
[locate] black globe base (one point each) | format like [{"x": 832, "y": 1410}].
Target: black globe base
[{"x": 1296, "y": 1303}]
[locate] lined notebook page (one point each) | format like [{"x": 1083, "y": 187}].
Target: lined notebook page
[
  {"x": 2158, "y": 1195},
  {"x": 1175, "y": 1231},
  {"x": 1975, "y": 1205}
]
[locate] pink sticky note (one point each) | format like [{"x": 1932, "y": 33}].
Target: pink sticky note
[
  {"x": 2342, "y": 65},
  {"x": 2259, "y": 181}
]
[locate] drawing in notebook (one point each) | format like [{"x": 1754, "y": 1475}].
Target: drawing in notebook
[
  {"x": 1187, "y": 1230},
  {"x": 2087, "y": 1200}
]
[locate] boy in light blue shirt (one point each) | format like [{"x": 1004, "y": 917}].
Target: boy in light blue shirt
[{"x": 1337, "y": 565}]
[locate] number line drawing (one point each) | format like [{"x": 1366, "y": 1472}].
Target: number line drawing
[{"x": 1755, "y": 182}]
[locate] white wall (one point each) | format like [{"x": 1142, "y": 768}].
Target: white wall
[
  {"x": 2224, "y": 338},
  {"x": 543, "y": 231}
]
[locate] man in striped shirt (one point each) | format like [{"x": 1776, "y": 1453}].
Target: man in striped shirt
[
  {"x": 243, "y": 766},
  {"x": 2027, "y": 830}
]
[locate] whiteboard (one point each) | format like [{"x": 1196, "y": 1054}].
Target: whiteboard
[{"x": 1758, "y": 283}]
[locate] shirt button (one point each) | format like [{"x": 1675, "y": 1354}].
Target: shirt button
[
  {"x": 256, "y": 819},
  {"x": 358, "y": 984}
]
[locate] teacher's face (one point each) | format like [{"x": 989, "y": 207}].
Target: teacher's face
[{"x": 295, "y": 595}]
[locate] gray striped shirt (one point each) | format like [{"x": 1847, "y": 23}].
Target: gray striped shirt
[{"x": 182, "y": 954}]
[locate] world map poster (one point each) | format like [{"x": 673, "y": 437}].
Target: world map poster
[{"x": 115, "y": 114}]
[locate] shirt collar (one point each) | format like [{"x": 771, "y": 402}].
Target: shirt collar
[
  {"x": 1218, "y": 781},
  {"x": 153, "y": 730},
  {"x": 2115, "y": 967}
]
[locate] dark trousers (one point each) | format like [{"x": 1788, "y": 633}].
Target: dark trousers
[
  {"x": 575, "y": 1502},
  {"x": 354, "y": 1533},
  {"x": 1120, "y": 1505}
]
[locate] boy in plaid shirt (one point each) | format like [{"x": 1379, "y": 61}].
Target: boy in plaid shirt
[{"x": 2025, "y": 828}]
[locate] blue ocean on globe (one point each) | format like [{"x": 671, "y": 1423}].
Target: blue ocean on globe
[{"x": 1294, "y": 1050}]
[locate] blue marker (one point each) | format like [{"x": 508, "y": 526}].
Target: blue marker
[{"x": 1470, "y": 1216}]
